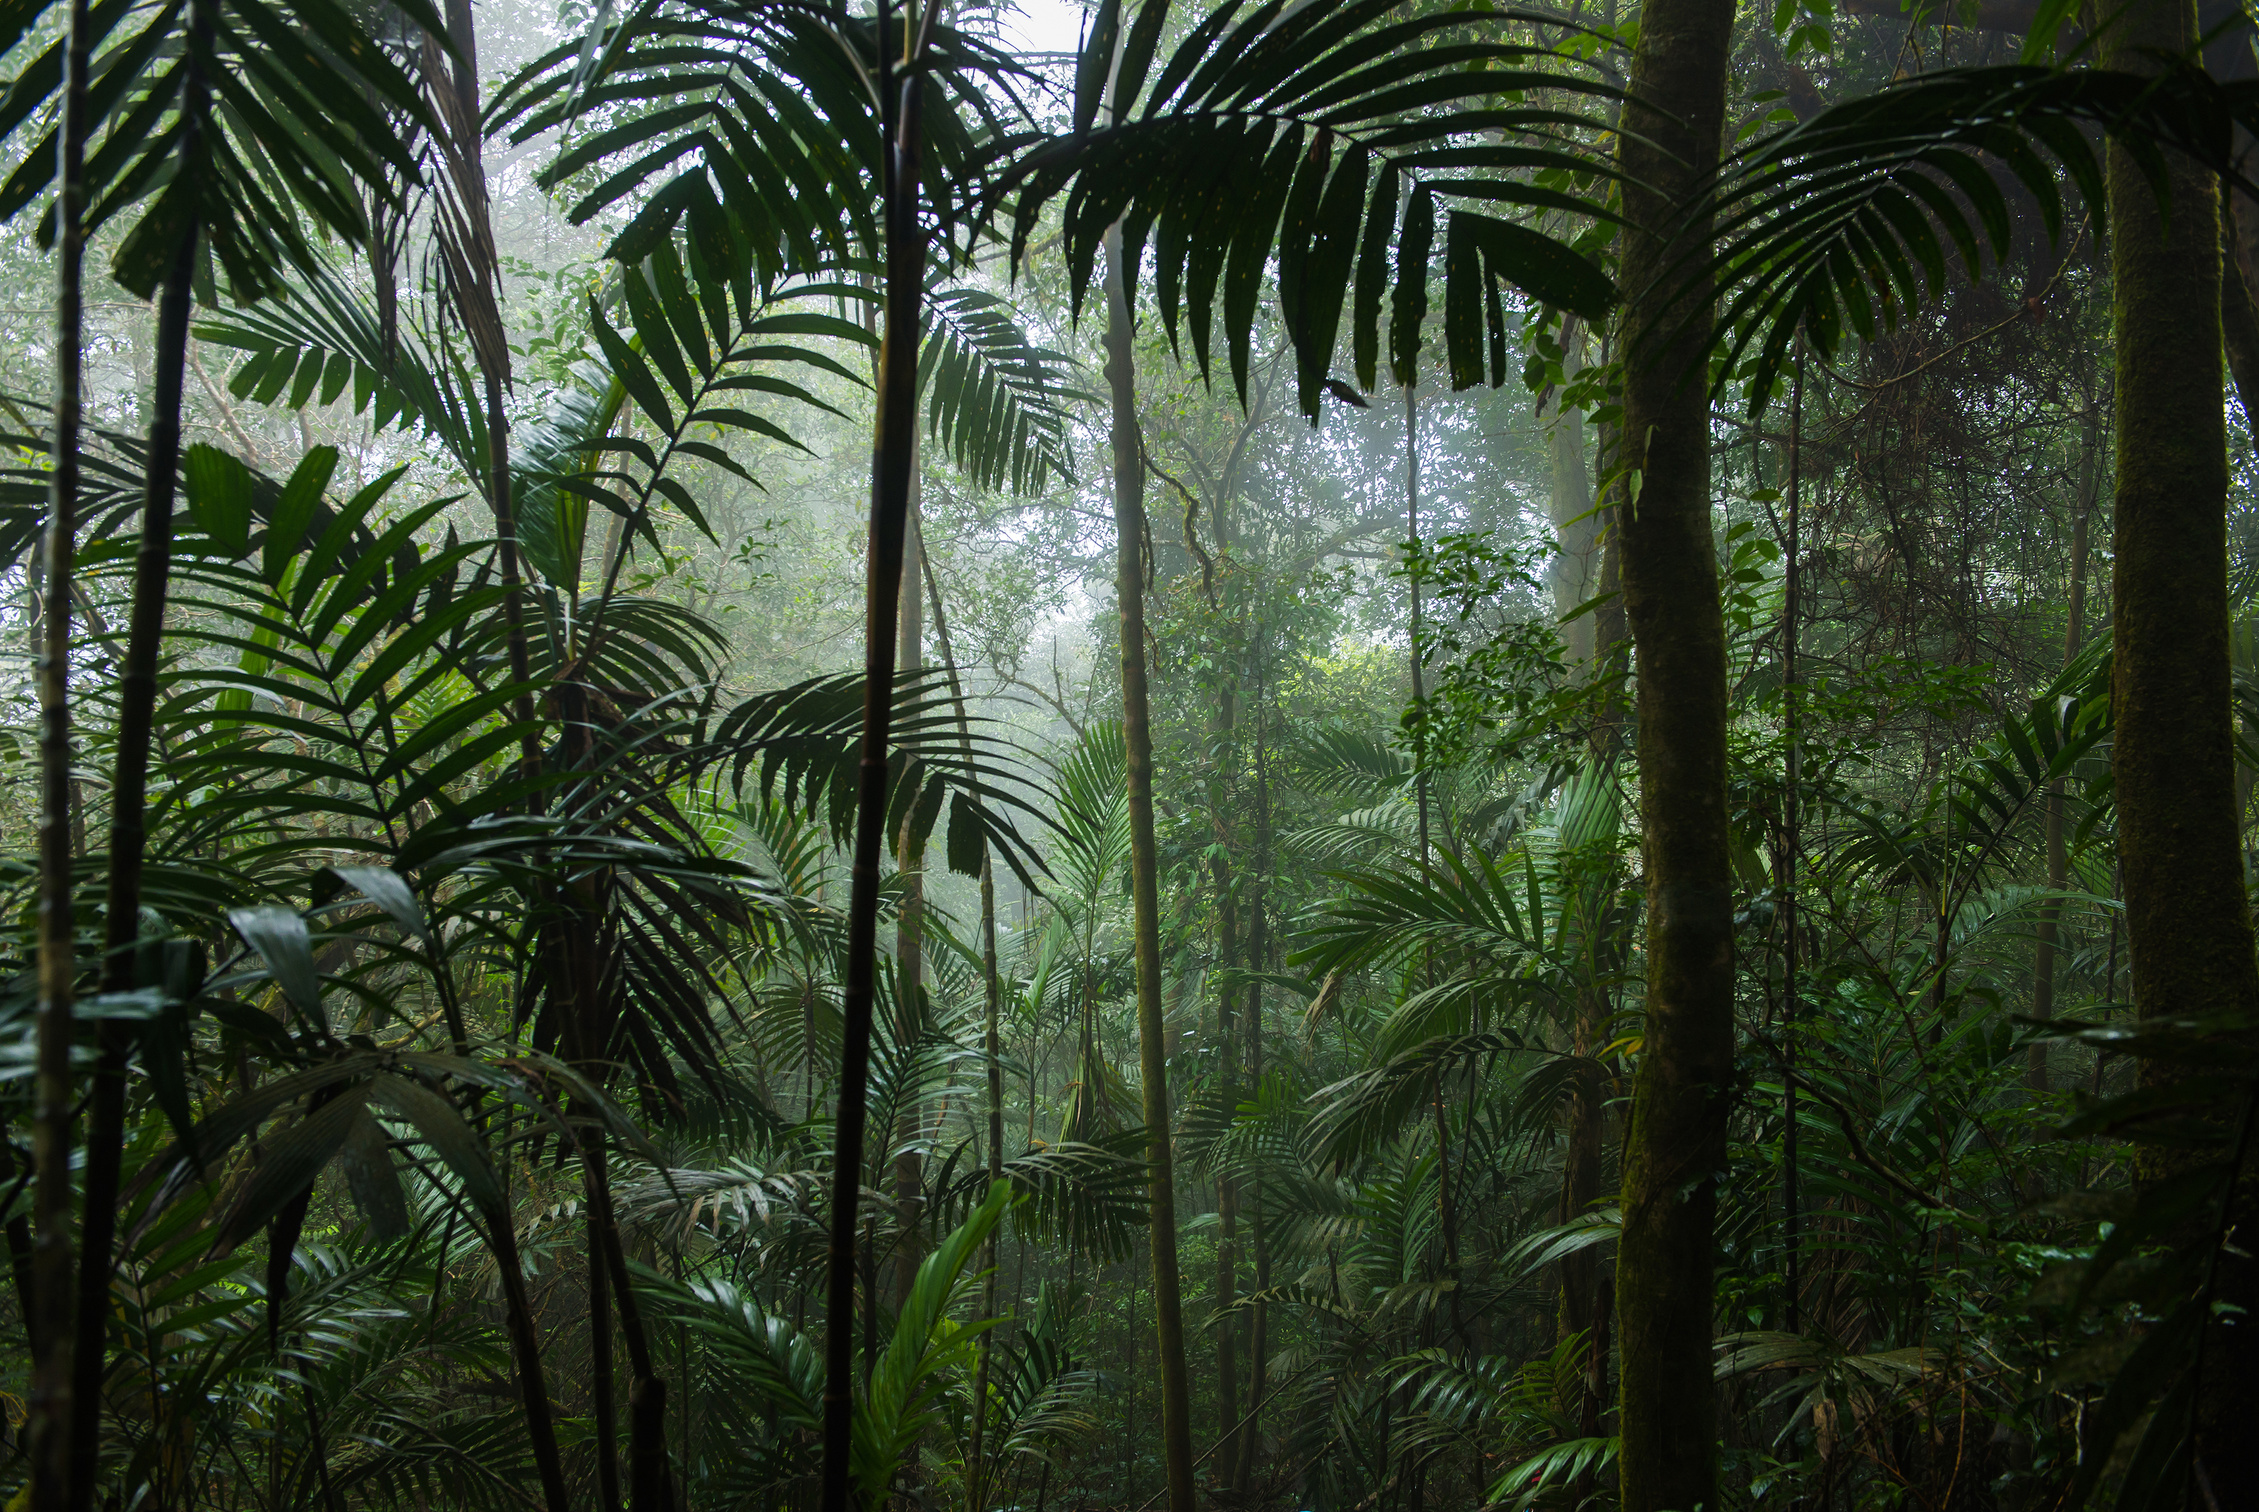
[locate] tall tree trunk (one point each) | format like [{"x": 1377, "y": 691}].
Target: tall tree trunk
[
  {"x": 2187, "y": 917},
  {"x": 2058, "y": 854},
  {"x": 893, "y": 458},
  {"x": 1137, "y": 736},
  {"x": 992, "y": 1050},
  {"x": 1232, "y": 1339},
  {"x": 1675, "y": 1145},
  {"x": 1447, "y": 1217},
  {"x": 50, "y": 1427},
  {"x": 909, "y": 925},
  {"x": 129, "y": 802},
  {"x": 1258, "y": 959},
  {"x": 1229, "y": 1336}
]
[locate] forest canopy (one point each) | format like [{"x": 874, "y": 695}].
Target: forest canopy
[{"x": 1342, "y": 755}]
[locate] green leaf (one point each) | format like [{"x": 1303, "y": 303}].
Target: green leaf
[
  {"x": 1411, "y": 299},
  {"x": 294, "y": 512},
  {"x": 1541, "y": 267},
  {"x": 279, "y": 936},
  {"x": 373, "y": 1179},
  {"x": 389, "y": 891},
  {"x": 442, "y": 1126},
  {"x": 219, "y": 497},
  {"x": 289, "y": 1164}
]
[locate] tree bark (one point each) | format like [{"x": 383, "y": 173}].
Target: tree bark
[
  {"x": 2187, "y": 918},
  {"x": 1675, "y": 1144},
  {"x": 1137, "y": 736}
]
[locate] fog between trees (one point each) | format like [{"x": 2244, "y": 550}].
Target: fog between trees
[{"x": 1323, "y": 756}]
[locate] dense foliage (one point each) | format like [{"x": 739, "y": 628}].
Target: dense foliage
[{"x": 454, "y": 720}]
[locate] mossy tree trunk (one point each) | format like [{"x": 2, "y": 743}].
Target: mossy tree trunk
[
  {"x": 2188, "y": 920},
  {"x": 1675, "y": 1144}
]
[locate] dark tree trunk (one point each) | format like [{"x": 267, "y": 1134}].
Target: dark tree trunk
[
  {"x": 893, "y": 455},
  {"x": 48, "y": 1264},
  {"x": 1676, "y": 1141},
  {"x": 129, "y": 804},
  {"x": 604, "y": 1401},
  {"x": 2188, "y": 921},
  {"x": 909, "y": 928}
]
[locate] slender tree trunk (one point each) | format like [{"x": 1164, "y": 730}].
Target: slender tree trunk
[
  {"x": 2058, "y": 854},
  {"x": 1258, "y": 959},
  {"x": 576, "y": 966},
  {"x": 513, "y": 581},
  {"x": 992, "y": 1050},
  {"x": 602, "y": 1392},
  {"x": 129, "y": 805},
  {"x": 893, "y": 457},
  {"x": 648, "y": 1488},
  {"x": 1791, "y": 854},
  {"x": 1223, "y": 762},
  {"x": 1447, "y": 1217},
  {"x": 2188, "y": 920},
  {"x": 1676, "y": 1143},
  {"x": 909, "y": 927},
  {"x": 51, "y": 1424},
  {"x": 525, "y": 1354},
  {"x": 1129, "y": 526},
  {"x": 1228, "y": 1334},
  {"x": 517, "y": 1309}
]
